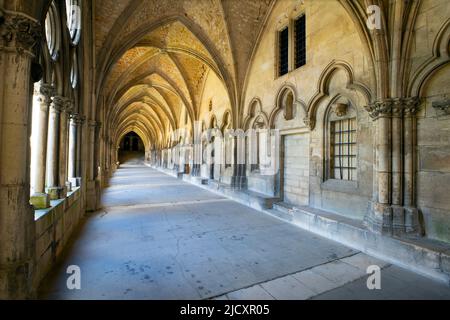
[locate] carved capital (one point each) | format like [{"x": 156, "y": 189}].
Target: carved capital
[
  {"x": 310, "y": 123},
  {"x": 77, "y": 119},
  {"x": 58, "y": 104},
  {"x": 18, "y": 31},
  {"x": 45, "y": 92},
  {"x": 69, "y": 106},
  {"x": 392, "y": 108},
  {"x": 411, "y": 106}
]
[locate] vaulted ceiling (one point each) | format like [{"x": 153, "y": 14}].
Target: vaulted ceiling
[{"x": 153, "y": 57}]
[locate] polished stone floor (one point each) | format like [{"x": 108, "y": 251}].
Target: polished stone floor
[{"x": 161, "y": 238}]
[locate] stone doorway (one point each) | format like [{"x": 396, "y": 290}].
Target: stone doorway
[{"x": 295, "y": 169}]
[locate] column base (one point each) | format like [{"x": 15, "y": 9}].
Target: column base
[
  {"x": 76, "y": 182},
  {"x": 69, "y": 186},
  {"x": 239, "y": 182},
  {"x": 392, "y": 220},
  {"x": 40, "y": 201},
  {"x": 56, "y": 193}
]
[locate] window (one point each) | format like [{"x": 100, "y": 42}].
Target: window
[
  {"x": 283, "y": 54},
  {"x": 74, "y": 70},
  {"x": 52, "y": 34},
  {"x": 289, "y": 107},
  {"x": 300, "y": 41},
  {"x": 73, "y": 12},
  {"x": 343, "y": 155}
]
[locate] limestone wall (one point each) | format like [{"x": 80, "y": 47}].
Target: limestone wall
[
  {"x": 53, "y": 230},
  {"x": 330, "y": 39}
]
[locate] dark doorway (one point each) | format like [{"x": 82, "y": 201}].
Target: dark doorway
[{"x": 131, "y": 149}]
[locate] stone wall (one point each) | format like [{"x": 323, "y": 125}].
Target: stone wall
[{"x": 54, "y": 228}]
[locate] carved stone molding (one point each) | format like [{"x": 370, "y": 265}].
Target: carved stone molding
[
  {"x": 45, "y": 94},
  {"x": 392, "y": 108},
  {"x": 58, "y": 104},
  {"x": 442, "y": 107},
  {"x": 310, "y": 123},
  {"x": 69, "y": 106},
  {"x": 78, "y": 119},
  {"x": 19, "y": 32},
  {"x": 95, "y": 124}
]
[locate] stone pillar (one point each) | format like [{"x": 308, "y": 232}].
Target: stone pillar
[
  {"x": 54, "y": 189},
  {"x": 19, "y": 35},
  {"x": 63, "y": 143},
  {"x": 93, "y": 184},
  {"x": 411, "y": 107},
  {"x": 239, "y": 179},
  {"x": 40, "y": 199},
  {"x": 392, "y": 211},
  {"x": 75, "y": 126}
]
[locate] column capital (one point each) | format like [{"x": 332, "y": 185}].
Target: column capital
[
  {"x": 58, "y": 104},
  {"x": 393, "y": 107},
  {"x": 94, "y": 124},
  {"x": 19, "y": 31},
  {"x": 69, "y": 106},
  {"x": 77, "y": 118},
  {"x": 45, "y": 93}
]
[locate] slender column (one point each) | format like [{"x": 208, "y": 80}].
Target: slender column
[
  {"x": 75, "y": 123},
  {"x": 40, "y": 199},
  {"x": 393, "y": 210},
  {"x": 411, "y": 108},
  {"x": 54, "y": 189},
  {"x": 93, "y": 185},
  {"x": 20, "y": 33},
  {"x": 63, "y": 149}
]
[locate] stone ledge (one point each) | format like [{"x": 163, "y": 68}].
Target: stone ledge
[{"x": 427, "y": 257}]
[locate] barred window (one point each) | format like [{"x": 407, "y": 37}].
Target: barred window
[
  {"x": 283, "y": 52},
  {"x": 343, "y": 149},
  {"x": 300, "y": 41}
]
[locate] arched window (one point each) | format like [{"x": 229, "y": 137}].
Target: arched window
[
  {"x": 74, "y": 70},
  {"x": 73, "y": 12},
  {"x": 342, "y": 146},
  {"x": 289, "y": 106},
  {"x": 52, "y": 32}
]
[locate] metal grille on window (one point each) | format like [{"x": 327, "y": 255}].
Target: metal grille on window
[
  {"x": 283, "y": 63},
  {"x": 300, "y": 41},
  {"x": 343, "y": 149}
]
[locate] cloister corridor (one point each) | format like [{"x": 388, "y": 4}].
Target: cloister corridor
[{"x": 158, "y": 237}]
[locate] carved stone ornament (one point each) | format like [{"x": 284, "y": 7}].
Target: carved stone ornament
[
  {"x": 394, "y": 107},
  {"x": 340, "y": 109},
  {"x": 19, "y": 32}
]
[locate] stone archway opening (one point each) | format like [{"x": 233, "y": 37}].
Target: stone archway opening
[{"x": 131, "y": 149}]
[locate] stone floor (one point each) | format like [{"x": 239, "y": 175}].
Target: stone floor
[{"x": 161, "y": 238}]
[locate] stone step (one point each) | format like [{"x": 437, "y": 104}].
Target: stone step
[{"x": 427, "y": 257}]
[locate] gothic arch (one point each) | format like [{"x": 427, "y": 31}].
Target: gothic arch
[
  {"x": 286, "y": 89},
  {"x": 440, "y": 57},
  {"x": 323, "y": 88}
]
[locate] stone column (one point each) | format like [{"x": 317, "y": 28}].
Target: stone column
[
  {"x": 411, "y": 107},
  {"x": 93, "y": 184},
  {"x": 19, "y": 35},
  {"x": 40, "y": 199},
  {"x": 392, "y": 211},
  {"x": 63, "y": 143},
  {"x": 54, "y": 189},
  {"x": 75, "y": 123},
  {"x": 239, "y": 179}
]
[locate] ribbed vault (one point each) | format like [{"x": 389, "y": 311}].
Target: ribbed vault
[{"x": 154, "y": 58}]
